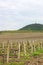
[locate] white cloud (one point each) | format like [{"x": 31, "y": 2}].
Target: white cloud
[{"x": 17, "y": 13}]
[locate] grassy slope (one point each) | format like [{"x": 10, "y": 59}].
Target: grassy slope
[{"x": 21, "y": 31}]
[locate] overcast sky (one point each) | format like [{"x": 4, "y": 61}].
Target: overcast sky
[{"x": 15, "y": 14}]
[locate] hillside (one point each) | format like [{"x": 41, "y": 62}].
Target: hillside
[
  {"x": 28, "y": 28},
  {"x": 33, "y": 27}
]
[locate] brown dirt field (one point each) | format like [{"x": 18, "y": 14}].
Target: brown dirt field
[{"x": 21, "y": 35}]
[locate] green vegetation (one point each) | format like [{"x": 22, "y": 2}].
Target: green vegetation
[
  {"x": 16, "y": 63},
  {"x": 37, "y": 53},
  {"x": 25, "y": 58},
  {"x": 33, "y": 27}
]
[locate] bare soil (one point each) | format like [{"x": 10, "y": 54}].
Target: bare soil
[{"x": 21, "y": 35}]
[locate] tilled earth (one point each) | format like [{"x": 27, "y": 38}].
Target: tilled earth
[
  {"x": 10, "y": 36},
  {"x": 35, "y": 60}
]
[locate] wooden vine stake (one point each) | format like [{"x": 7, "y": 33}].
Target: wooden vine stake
[
  {"x": 19, "y": 50},
  {"x": 30, "y": 42},
  {"x": 8, "y": 53},
  {"x": 3, "y": 45},
  {"x": 11, "y": 45},
  {"x": 24, "y": 47}
]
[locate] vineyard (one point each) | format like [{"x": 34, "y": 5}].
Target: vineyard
[{"x": 21, "y": 51}]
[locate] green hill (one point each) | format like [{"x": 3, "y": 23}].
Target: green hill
[
  {"x": 33, "y": 27},
  {"x": 28, "y": 28}
]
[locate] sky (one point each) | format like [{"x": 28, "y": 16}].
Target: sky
[{"x": 15, "y": 14}]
